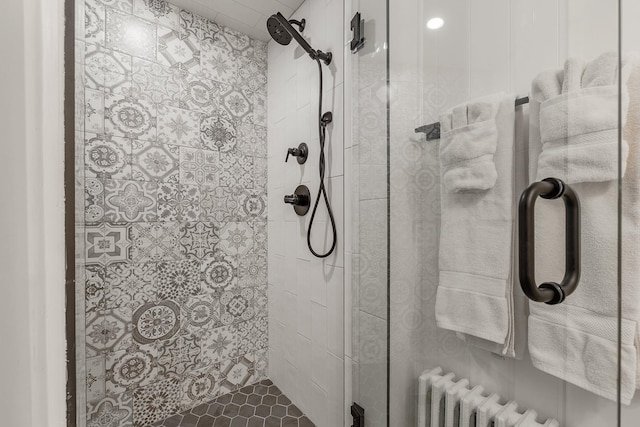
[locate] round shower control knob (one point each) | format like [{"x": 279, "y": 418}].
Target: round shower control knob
[{"x": 300, "y": 199}]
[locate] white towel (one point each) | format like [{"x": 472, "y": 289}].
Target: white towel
[
  {"x": 577, "y": 340},
  {"x": 475, "y": 291},
  {"x": 579, "y": 121},
  {"x": 468, "y": 143}
]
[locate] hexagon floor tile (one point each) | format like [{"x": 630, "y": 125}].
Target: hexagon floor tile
[{"x": 258, "y": 405}]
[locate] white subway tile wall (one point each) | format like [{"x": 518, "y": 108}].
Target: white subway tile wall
[{"x": 306, "y": 312}]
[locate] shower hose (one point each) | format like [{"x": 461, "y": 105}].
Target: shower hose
[{"x": 323, "y": 121}]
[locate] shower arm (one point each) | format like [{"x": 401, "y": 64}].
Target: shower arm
[{"x": 314, "y": 54}]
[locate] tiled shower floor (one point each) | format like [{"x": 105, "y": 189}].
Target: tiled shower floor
[{"x": 258, "y": 405}]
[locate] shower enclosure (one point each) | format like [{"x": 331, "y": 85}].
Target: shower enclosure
[
  {"x": 426, "y": 290},
  {"x": 421, "y": 58}
]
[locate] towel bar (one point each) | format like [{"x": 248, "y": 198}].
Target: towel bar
[
  {"x": 432, "y": 130},
  {"x": 549, "y": 292}
]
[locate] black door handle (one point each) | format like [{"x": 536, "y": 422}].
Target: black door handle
[{"x": 548, "y": 292}]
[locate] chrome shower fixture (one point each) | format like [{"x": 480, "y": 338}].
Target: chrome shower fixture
[{"x": 282, "y": 32}]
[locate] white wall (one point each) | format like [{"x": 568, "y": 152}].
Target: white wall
[
  {"x": 32, "y": 367},
  {"x": 306, "y": 295},
  {"x": 484, "y": 47}
]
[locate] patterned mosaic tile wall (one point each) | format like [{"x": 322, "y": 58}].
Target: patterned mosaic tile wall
[{"x": 174, "y": 175}]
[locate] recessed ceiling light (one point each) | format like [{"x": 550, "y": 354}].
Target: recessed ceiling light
[{"x": 435, "y": 23}]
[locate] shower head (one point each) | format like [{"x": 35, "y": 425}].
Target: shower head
[
  {"x": 282, "y": 32},
  {"x": 277, "y": 31}
]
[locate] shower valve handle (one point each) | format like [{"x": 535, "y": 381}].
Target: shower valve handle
[
  {"x": 300, "y": 199},
  {"x": 302, "y": 152}
]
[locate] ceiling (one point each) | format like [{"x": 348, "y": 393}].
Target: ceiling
[{"x": 247, "y": 16}]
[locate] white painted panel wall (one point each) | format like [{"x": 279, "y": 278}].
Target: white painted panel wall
[
  {"x": 306, "y": 312},
  {"x": 32, "y": 355}
]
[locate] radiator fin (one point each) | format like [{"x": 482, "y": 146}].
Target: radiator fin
[{"x": 445, "y": 402}]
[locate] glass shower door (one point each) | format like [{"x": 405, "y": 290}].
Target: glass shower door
[{"x": 435, "y": 260}]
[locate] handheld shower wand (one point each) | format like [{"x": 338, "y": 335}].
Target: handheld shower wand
[{"x": 283, "y": 32}]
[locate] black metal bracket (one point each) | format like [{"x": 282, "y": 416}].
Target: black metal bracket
[
  {"x": 432, "y": 130},
  {"x": 357, "y": 26},
  {"x": 357, "y": 412},
  {"x": 550, "y": 292}
]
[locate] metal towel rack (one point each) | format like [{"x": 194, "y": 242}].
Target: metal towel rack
[
  {"x": 432, "y": 130},
  {"x": 548, "y": 292}
]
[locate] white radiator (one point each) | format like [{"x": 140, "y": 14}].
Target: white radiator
[{"x": 445, "y": 402}]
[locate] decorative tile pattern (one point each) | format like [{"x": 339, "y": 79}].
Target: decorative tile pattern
[
  {"x": 156, "y": 401},
  {"x": 94, "y": 289},
  {"x": 94, "y": 14},
  {"x": 171, "y": 110},
  {"x": 155, "y": 162},
  {"x": 251, "y": 140},
  {"x": 131, "y": 35},
  {"x": 237, "y": 305},
  {"x": 218, "y": 64},
  {"x": 178, "y": 50},
  {"x": 200, "y": 386},
  {"x": 218, "y": 132},
  {"x": 252, "y": 74},
  {"x": 180, "y": 127},
  {"x": 156, "y": 322},
  {"x": 218, "y": 204},
  {"x": 219, "y": 273},
  {"x": 130, "y": 117},
  {"x": 261, "y": 300},
  {"x": 253, "y": 206},
  {"x": 204, "y": 29},
  {"x": 253, "y": 270},
  {"x": 258, "y": 405},
  {"x": 259, "y": 237},
  {"x": 158, "y": 11},
  {"x": 116, "y": 411},
  {"x": 237, "y": 104},
  {"x": 179, "y": 355},
  {"x": 200, "y": 314},
  {"x": 236, "y": 238},
  {"x": 123, "y": 5},
  {"x": 107, "y": 157},
  {"x": 259, "y": 173},
  {"x": 157, "y": 84},
  {"x": 130, "y": 201},
  {"x": 106, "y": 69},
  {"x": 129, "y": 285},
  {"x": 252, "y": 335},
  {"x": 259, "y": 103},
  {"x": 108, "y": 332},
  {"x": 95, "y": 379},
  {"x": 197, "y": 94},
  {"x": 239, "y": 42},
  {"x": 236, "y": 373},
  {"x": 94, "y": 111},
  {"x": 178, "y": 280},
  {"x": 130, "y": 369},
  {"x": 106, "y": 244},
  {"x": 236, "y": 170},
  {"x": 219, "y": 344},
  {"x": 261, "y": 365},
  {"x": 199, "y": 240},
  {"x": 178, "y": 202},
  {"x": 199, "y": 167},
  {"x": 152, "y": 242}
]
